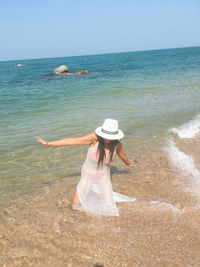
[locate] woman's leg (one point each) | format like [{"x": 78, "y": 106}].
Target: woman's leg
[{"x": 76, "y": 199}]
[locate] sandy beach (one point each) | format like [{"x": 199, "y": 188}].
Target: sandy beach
[{"x": 161, "y": 228}]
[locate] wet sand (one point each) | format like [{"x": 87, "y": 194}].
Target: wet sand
[
  {"x": 161, "y": 228},
  {"x": 191, "y": 147}
]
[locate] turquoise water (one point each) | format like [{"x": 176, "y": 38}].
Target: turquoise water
[{"x": 148, "y": 92}]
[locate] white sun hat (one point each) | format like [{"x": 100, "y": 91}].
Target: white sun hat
[{"x": 110, "y": 130}]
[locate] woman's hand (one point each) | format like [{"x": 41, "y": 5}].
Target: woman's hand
[
  {"x": 42, "y": 141},
  {"x": 130, "y": 164}
]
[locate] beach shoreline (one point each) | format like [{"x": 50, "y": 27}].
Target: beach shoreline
[
  {"x": 154, "y": 96},
  {"x": 160, "y": 227}
]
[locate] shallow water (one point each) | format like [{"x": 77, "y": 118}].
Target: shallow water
[
  {"x": 155, "y": 96},
  {"x": 148, "y": 92}
]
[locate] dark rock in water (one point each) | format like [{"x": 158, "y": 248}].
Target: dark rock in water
[
  {"x": 81, "y": 72},
  {"x": 62, "y": 70}
]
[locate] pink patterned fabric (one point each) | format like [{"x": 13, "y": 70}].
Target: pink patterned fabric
[{"x": 95, "y": 188}]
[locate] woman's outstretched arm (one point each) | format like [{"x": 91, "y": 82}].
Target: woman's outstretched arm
[
  {"x": 83, "y": 140},
  {"x": 123, "y": 156}
]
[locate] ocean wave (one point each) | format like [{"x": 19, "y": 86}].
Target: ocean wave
[
  {"x": 187, "y": 165},
  {"x": 165, "y": 205},
  {"x": 183, "y": 161},
  {"x": 188, "y": 130}
]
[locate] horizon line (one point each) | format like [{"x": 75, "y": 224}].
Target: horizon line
[{"x": 110, "y": 53}]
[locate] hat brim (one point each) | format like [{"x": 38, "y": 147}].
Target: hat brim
[{"x": 117, "y": 136}]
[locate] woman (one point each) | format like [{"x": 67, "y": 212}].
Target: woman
[{"x": 94, "y": 191}]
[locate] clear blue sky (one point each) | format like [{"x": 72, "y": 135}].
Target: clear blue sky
[{"x": 50, "y": 28}]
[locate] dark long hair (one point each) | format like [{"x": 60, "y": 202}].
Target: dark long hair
[{"x": 101, "y": 149}]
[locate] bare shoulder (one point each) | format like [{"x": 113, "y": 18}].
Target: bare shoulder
[{"x": 119, "y": 147}]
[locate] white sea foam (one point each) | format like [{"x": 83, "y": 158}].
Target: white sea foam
[
  {"x": 187, "y": 165},
  {"x": 188, "y": 130},
  {"x": 183, "y": 161},
  {"x": 164, "y": 205}
]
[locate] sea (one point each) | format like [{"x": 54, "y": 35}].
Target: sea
[{"x": 154, "y": 95}]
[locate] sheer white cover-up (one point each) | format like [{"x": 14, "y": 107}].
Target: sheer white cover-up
[{"x": 95, "y": 188}]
